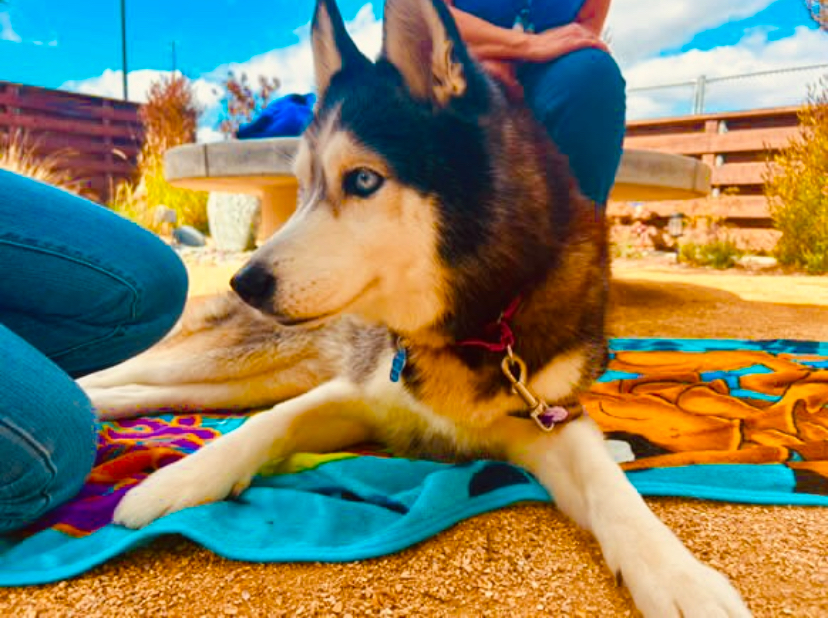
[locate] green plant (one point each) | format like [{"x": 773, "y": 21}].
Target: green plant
[
  {"x": 169, "y": 118},
  {"x": 796, "y": 185},
  {"x": 720, "y": 253},
  {"x": 241, "y": 103},
  {"x": 706, "y": 240},
  {"x": 20, "y": 155}
]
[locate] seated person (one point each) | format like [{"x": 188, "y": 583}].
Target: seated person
[{"x": 550, "y": 53}]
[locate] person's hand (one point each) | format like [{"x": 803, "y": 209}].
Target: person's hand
[
  {"x": 505, "y": 73},
  {"x": 556, "y": 42}
]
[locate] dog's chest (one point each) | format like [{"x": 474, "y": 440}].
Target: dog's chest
[{"x": 410, "y": 426}]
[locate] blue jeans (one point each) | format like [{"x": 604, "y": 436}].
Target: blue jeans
[
  {"x": 81, "y": 289},
  {"x": 580, "y": 99}
]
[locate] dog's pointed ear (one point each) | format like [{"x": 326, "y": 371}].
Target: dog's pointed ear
[
  {"x": 421, "y": 39},
  {"x": 333, "y": 48}
]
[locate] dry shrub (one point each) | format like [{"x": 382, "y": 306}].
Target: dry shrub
[
  {"x": 20, "y": 154},
  {"x": 818, "y": 11},
  {"x": 796, "y": 185},
  {"x": 170, "y": 118},
  {"x": 242, "y": 103}
]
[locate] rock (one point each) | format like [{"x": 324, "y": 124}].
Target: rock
[
  {"x": 189, "y": 236},
  {"x": 162, "y": 214},
  {"x": 757, "y": 262}
]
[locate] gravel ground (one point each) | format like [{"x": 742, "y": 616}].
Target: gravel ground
[{"x": 521, "y": 561}]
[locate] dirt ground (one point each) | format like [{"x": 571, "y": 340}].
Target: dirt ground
[{"x": 521, "y": 561}]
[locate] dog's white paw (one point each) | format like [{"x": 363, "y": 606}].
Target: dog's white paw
[
  {"x": 680, "y": 586},
  {"x": 209, "y": 475}
]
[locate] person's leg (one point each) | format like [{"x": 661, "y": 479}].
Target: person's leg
[
  {"x": 47, "y": 434},
  {"x": 580, "y": 99},
  {"x": 87, "y": 289},
  {"x": 81, "y": 284}
]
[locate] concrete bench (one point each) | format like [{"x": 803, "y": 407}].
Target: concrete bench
[{"x": 263, "y": 168}]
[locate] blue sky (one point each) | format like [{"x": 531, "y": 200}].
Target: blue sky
[
  {"x": 782, "y": 19},
  {"x": 86, "y": 35},
  {"x": 76, "y": 45}
]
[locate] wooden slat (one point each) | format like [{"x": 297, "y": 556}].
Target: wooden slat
[
  {"x": 730, "y": 207},
  {"x": 51, "y": 142},
  {"x": 790, "y": 111},
  {"x": 752, "y": 140},
  {"x": 739, "y": 174},
  {"x": 90, "y": 127},
  {"x": 49, "y": 124},
  {"x": 95, "y": 166},
  {"x": 681, "y": 143},
  {"x": 748, "y": 140},
  {"x": 63, "y": 108}
]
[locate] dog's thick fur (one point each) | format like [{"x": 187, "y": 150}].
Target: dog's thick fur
[{"x": 428, "y": 203}]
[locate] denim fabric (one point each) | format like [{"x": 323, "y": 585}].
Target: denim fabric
[
  {"x": 580, "y": 99},
  {"x": 81, "y": 289},
  {"x": 47, "y": 433}
]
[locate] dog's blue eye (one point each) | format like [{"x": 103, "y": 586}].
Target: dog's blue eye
[{"x": 362, "y": 182}]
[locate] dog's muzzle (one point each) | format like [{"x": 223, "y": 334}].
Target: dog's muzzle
[{"x": 255, "y": 285}]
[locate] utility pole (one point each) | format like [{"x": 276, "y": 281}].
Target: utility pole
[{"x": 124, "y": 49}]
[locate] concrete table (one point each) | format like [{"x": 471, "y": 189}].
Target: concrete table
[
  {"x": 650, "y": 176},
  {"x": 263, "y": 168}
]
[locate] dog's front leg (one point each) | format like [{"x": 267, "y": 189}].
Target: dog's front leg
[
  {"x": 664, "y": 578},
  {"x": 316, "y": 421}
]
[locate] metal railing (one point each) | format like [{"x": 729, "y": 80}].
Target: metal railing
[{"x": 724, "y": 94}]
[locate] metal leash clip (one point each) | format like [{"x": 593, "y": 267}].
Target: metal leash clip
[{"x": 545, "y": 417}]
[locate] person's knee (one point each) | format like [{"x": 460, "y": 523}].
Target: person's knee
[
  {"x": 156, "y": 283},
  {"x": 580, "y": 99},
  {"x": 595, "y": 72},
  {"x": 162, "y": 283},
  {"x": 47, "y": 447},
  {"x": 585, "y": 76}
]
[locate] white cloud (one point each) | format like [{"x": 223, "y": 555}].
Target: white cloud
[
  {"x": 293, "y": 65},
  {"x": 640, "y": 32},
  {"x": 753, "y": 54},
  {"x": 208, "y": 134},
  {"x": 641, "y": 28},
  {"x": 110, "y": 84},
  {"x": 7, "y": 33}
]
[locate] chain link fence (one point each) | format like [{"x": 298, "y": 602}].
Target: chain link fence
[{"x": 774, "y": 88}]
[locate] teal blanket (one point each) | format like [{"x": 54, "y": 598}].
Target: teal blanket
[{"x": 735, "y": 421}]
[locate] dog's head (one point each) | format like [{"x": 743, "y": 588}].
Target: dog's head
[{"x": 394, "y": 172}]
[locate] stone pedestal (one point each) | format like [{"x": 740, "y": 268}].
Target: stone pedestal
[{"x": 234, "y": 220}]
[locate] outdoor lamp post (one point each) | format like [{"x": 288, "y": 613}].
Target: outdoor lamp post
[{"x": 675, "y": 225}]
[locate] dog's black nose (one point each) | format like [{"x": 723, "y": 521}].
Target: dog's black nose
[{"x": 254, "y": 284}]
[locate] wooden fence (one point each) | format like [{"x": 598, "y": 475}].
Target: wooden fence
[
  {"x": 736, "y": 145},
  {"x": 98, "y": 139}
]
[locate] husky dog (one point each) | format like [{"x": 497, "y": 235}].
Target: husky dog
[{"x": 441, "y": 288}]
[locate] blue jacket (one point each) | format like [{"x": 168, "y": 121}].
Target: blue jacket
[
  {"x": 287, "y": 116},
  {"x": 544, "y": 14}
]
